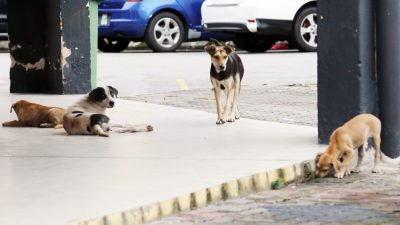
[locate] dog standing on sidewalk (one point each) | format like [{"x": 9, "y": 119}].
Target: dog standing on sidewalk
[
  {"x": 226, "y": 74},
  {"x": 354, "y": 134},
  {"x": 87, "y": 116}
]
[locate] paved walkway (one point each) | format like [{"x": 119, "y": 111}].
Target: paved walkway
[{"x": 50, "y": 178}]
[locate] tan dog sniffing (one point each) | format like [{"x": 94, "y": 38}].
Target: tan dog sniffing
[
  {"x": 354, "y": 134},
  {"x": 35, "y": 115}
]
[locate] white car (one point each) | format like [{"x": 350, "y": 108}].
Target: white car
[{"x": 258, "y": 24}]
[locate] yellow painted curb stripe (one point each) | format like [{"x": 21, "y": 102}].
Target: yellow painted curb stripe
[{"x": 228, "y": 190}]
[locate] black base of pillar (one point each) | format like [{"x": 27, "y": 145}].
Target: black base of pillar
[
  {"x": 346, "y": 81},
  {"x": 49, "y": 46},
  {"x": 388, "y": 55},
  {"x": 26, "y": 30}
]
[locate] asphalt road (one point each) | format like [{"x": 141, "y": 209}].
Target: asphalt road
[{"x": 144, "y": 72}]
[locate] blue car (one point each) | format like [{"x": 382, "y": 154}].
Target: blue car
[
  {"x": 3, "y": 21},
  {"x": 162, "y": 24}
]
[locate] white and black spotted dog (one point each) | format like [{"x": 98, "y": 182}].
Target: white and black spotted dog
[
  {"x": 87, "y": 116},
  {"x": 226, "y": 74}
]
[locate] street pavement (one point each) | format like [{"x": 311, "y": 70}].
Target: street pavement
[
  {"x": 278, "y": 87},
  {"x": 363, "y": 198},
  {"x": 142, "y": 72},
  {"x": 292, "y": 104},
  {"x": 49, "y": 177}
]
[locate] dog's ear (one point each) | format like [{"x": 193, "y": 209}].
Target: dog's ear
[
  {"x": 228, "y": 49},
  {"x": 216, "y": 42},
  {"x": 318, "y": 156},
  {"x": 210, "y": 48},
  {"x": 113, "y": 91},
  {"x": 97, "y": 95}
]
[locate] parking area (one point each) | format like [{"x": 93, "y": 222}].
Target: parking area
[{"x": 143, "y": 72}]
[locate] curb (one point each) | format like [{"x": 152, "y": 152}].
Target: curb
[{"x": 232, "y": 189}]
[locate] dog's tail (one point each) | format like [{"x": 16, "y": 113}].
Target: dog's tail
[{"x": 12, "y": 106}]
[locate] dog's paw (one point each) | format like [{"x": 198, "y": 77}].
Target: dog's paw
[
  {"x": 339, "y": 175},
  {"x": 237, "y": 117},
  {"x": 376, "y": 170},
  {"x": 347, "y": 173},
  {"x": 104, "y": 134},
  {"x": 231, "y": 119},
  {"x": 355, "y": 170},
  {"x": 227, "y": 118},
  {"x": 220, "y": 121}
]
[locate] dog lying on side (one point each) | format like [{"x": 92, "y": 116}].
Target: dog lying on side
[
  {"x": 226, "y": 74},
  {"x": 354, "y": 134},
  {"x": 87, "y": 116},
  {"x": 35, "y": 115}
]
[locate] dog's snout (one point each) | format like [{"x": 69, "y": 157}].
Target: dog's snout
[
  {"x": 222, "y": 67},
  {"x": 111, "y": 103}
]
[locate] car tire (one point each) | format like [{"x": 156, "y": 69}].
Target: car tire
[
  {"x": 253, "y": 42},
  {"x": 112, "y": 44},
  {"x": 305, "y": 30},
  {"x": 165, "y": 32}
]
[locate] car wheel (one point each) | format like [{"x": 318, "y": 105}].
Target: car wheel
[
  {"x": 165, "y": 32},
  {"x": 305, "y": 30},
  {"x": 253, "y": 42},
  {"x": 112, "y": 44}
]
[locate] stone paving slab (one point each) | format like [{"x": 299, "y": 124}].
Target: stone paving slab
[{"x": 294, "y": 104}]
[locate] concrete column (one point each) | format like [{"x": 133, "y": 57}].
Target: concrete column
[
  {"x": 388, "y": 64},
  {"x": 51, "y": 46},
  {"x": 346, "y": 80}
]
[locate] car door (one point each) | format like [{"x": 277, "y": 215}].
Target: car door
[{"x": 192, "y": 11}]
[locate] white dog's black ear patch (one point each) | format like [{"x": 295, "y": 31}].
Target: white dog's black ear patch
[
  {"x": 113, "y": 91},
  {"x": 97, "y": 95}
]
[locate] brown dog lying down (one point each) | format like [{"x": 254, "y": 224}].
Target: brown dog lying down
[
  {"x": 344, "y": 140},
  {"x": 35, "y": 115}
]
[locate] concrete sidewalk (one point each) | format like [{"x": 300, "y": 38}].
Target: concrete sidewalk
[{"x": 49, "y": 178}]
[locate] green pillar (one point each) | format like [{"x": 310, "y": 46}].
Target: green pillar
[{"x": 93, "y": 12}]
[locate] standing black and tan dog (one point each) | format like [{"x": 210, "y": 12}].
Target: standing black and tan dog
[
  {"x": 226, "y": 74},
  {"x": 87, "y": 116}
]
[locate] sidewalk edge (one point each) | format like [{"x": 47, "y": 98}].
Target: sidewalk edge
[{"x": 232, "y": 189}]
